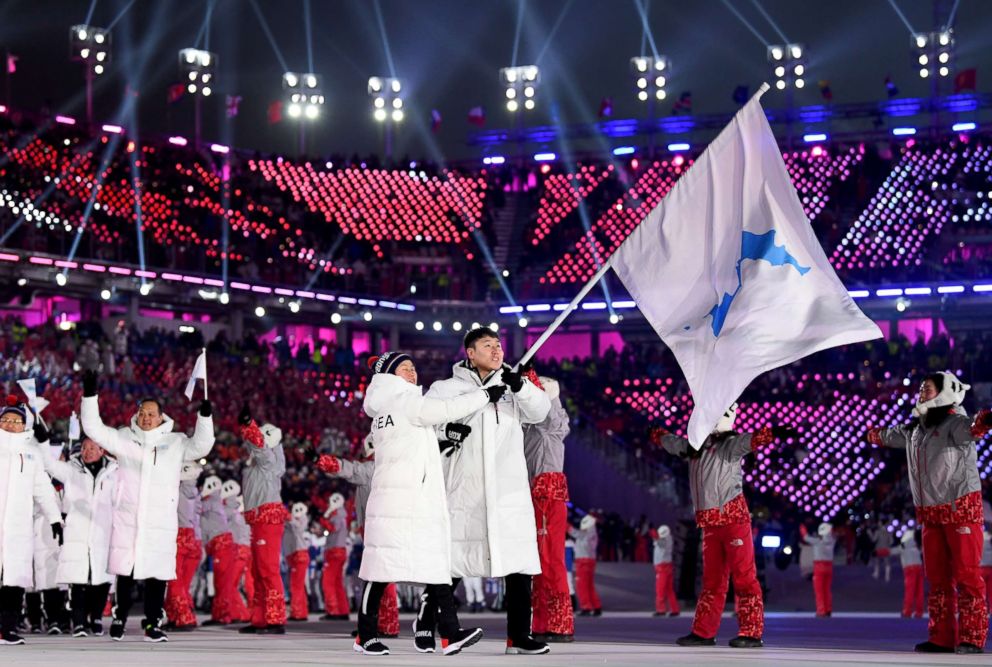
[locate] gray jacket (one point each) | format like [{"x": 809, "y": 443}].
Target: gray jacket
[
  {"x": 586, "y": 541},
  {"x": 236, "y": 520},
  {"x": 663, "y": 547},
  {"x": 213, "y": 518},
  {"x": 189, "y": 507},
  {"x": 261, "y": 481},
  {"x": 358, "y": 473},
  {"x": 294, "y": 538},
  {"x": 943, "y": 460},
  {"x": 908, "y": 555},
  {"x": 715, "y": 477},
  {"x": 337, "y": 530},
  {"x": 544, "y": 442},
  {"x": 823, "y": 547}
]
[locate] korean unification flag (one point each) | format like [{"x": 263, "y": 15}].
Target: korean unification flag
[
  {"x": 199, "y": 373},
  {"x": 728, "y": 272}
]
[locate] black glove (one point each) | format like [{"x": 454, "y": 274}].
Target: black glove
[
  {"x": 206, "y": 409},
  {"x": 40, "y": 432},
  {"x": 311, "y": 454},
  {"x": 57, "y": 532},
  {"x": 244, "y": 417},
  {"x": 785, "y": 433},
  {"x": 495, "y": 393},
  {"x": 456, "y": 432},
  {"x": 448, "y": 447},
  {"x": 514, "y": 380},
  {"x": 89, "y": 383}
]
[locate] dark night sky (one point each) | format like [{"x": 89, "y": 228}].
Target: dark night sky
[{"x": 448, "y": 53}]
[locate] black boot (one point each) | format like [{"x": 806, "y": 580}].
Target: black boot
[
  {"x": 740, "y": 641},
  {"x": 692, "y": 639},
  {"x": 930, "y": 647},
  {"x": 966, "y": 648}
]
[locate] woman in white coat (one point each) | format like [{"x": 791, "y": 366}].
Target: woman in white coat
[
  {"x": 89, "y": 480},
  {"x": 407, "y": 529},
  {"x": 145, "y": 525},
  {"x": 23, "y": 483}
]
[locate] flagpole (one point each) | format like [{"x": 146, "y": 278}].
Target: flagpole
[
  {"x": 607, "y": 265},
  {"x": 205, "y": 397}
]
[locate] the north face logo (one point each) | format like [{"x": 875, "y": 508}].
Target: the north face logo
[{"x": 737, "y": 543}]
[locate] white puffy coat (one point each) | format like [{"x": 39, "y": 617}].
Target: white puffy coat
[
  {"x": 407, "y": 531},
  {"x": 88, "y": 505},
  {"x": 46, "y": 550},
  {"x": 492, "y": 516},
  {"x": 143, "y": 540},
  {"x": 23, "y": 482}
]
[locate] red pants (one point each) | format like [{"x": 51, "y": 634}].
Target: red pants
[
  {"x": 664, "y": 589},
  {"x": 728, "y": 551},
  {"x": 912, "y": 599},
  {"x": 242, "y": 568},
  {"x": 299, "y": 562},
  {"x": 178, "y": 602},
  {"x": 951, "y": 557},
  {"x": 268, "y": 605},
  {"x": 222, "y": 550},
  {"x": 389, "y": 612},
  {"x": 551, "y": 601},
  {"x": 987, "y": 574},
  {"x": 585, "y": 584},
  {"x": 823, "y": 579},
  {"x": 332, "y": 581}
]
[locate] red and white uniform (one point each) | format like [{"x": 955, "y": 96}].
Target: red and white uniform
[
  {"x": 189, "y": 547},
  {"x": 664, "y": 572},
  {"x": 823, "y": 544},
  {"x": 586, "y": 541},
  {"x": 261, "y": 486},
  {"x": 943, "y": 477},
  {"x": 241, "y": 535},
  {"x": 295, "y": 549},
  {"x": 220, "y": 548},
  {"x": 335, "y": 557},
  {"x": 716, "y": 484},
  {"x": 544, "y": 450},
  {"x": 986, "y": 565},
  {"x": 911, "y": 560}
]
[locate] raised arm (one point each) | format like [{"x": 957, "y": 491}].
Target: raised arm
[
  {"x": 426, "y": 411},
  {"x": 896, "y": 437},
  {"x": 671, "y": 443},
  {"x": 101, "y": 434},
  {"x": 203, "y": 434},
  {"x": 532, "y": 403}
]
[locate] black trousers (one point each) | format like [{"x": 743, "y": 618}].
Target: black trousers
[
  {"x": 87, "y": 602},
  {"x": 517, "y": 599},
  {"x": 11, "y": 603},
  {"x": 48, "y": 607},
  {"x": 440, "y": 611},
  {"x": 154, "y": 600}
]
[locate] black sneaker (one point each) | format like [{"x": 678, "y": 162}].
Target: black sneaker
[
  {"x": 692, "y": 639},
  {"x": 556, "y": 638},
  {"x": 597, "y": 612},
  {"x": 11, "y": 638},
  {"x": 117, "y": 630},
  {"x": 80, "y": 631},
  {"x": 54, "y": 630},
  {"x": 155, "y": 634},
  {"x": 371, "y": 647},
  {"x": 740, "y": 641},
  {"x": 674, "y": 614},
  {"x": 249, "y": 630},
  {"x": 96, "y": 628},
  {"x": 526, "y": 646},
  {"x": 462, "y": 639},
  {"x": 272, "y": 630},
  {"x": 213, "y": 621},
  {"x": 930, "y": 647},
  {"x": 423, "y": 640},
  {"x": 965, "y": 647}
]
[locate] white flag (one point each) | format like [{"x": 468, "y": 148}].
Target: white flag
[
  {"x": 29, "y": 389},
  {"x": 74, "y": 428},
  {"x": 728, "y": 272},
  {"x": 199, "y": 373}
]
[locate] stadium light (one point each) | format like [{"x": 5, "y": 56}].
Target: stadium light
[
  {"x": 90, "y": 46},
  {"x": 789, "y": 65},
  {"x": 520, "y": 85},
  {"x": 304, "y": 98},
  {"x": 933, "y": 53},
  {"x": 386, "y": 94},
  {"x": 650, "y": 75},
  {"x": 196, "y": 71}
]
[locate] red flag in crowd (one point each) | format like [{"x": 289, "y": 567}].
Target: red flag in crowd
[
  {"x": 232, "y": 105},
  {"x": 435, "y": 120},
  {"x": 275, "y": 112},
  {"x": 966, "y": 80},
  {"x": 477, "y": 116},
  {"x": 606, "y": 107},
  {"x": 175, "y": 93}
]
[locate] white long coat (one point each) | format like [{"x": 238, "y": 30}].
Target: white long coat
[
  {"x": 23, "y": 483},
  {"x": 143, "y": 540},
  {"x": 46, "y": 550},
  {"x": 88, "y": 504},
  {"x": 407, "y": 534},
  {"x": 492, "y": 516}
]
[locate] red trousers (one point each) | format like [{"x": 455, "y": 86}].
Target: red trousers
[
  {"x": 728, "y": 551},
  {"x": 585, "y": 584},
  {"x": 223, "y": 552},
  {"x": 951, "y": 557},
  {"x": 389, "y": 612},
  {"x": 332, "y": 581},
  {"x": 987, "y": 574},
  {"x": 299, "y": 562},
  {"x": 912, "y": 599},
  {"x": 178, "y": 602},
  {"x": 664, "y": 589},
  {"x": 550, "y": 599},
  {"x": 823, "y": 579},
  {"x": 242, "y": 568},
  {"x": 268, "y": 605}
]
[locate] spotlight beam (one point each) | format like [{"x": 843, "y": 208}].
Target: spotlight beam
[
  {"x": 902, "y": 16},
  {"x": 119, "y": 16},
  {"x": 646, "y": 33},
  {"x": 761, "y": 10},
  {"x": 484, "y": 247},
  {"x": 309, "y": 33},
  {"x": 89, "y": 13},
  {"x": 950, "y": 17},
  {"x": 385, "y": 39},
  {"x": 108, "y": 154},
  {"x": 268, "y": 34},
  {"x": 747, "y": 24},
  {"x": 554, "y": 29},
  {"x": 521, "y": 8}
]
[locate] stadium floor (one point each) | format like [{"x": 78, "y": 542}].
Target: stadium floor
[{"x": 623, "y": 638}]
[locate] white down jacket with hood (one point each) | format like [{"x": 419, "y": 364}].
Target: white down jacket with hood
[
  {"x": 407, "y": 530},
  {"x": 146, "y": 520}
]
